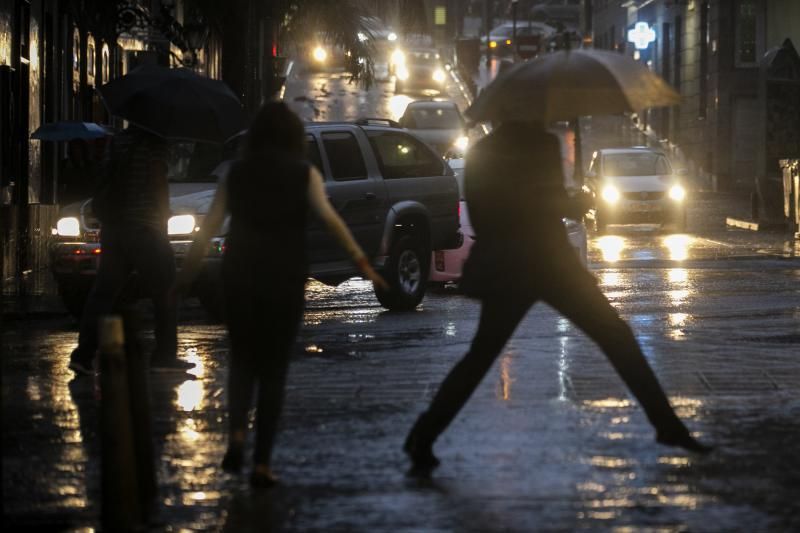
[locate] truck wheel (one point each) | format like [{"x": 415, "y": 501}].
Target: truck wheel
[
  {"x": 212, "y": 299},
  {"x": 73, "y": 298},
  {"x": 406, "y": 272}
]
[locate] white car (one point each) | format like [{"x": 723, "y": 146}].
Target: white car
[
  {"x": 636, "y": 185},
  {"x": 447, "y": 265},
  {"x": 439, "y": 123}
]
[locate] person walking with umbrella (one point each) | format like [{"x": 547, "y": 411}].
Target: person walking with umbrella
[
  {"x": 514, "y": 189},
  {"x": 265, "y": 270},
  {"x": 132, "y": 204},
  {"x": 132, "y": 199}
]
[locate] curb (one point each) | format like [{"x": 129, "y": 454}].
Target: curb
[{"x": 754, "y": 226}]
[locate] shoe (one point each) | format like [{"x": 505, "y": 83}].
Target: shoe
[
  {"x": 233, "y": 460},
  {"x": 682, "y": 439},
  {"x": 263, "y": 480},
  {"x": 170, "y": 365},
  {"x": 423, "y": 462},
  {"x": 80, "y": 368}
]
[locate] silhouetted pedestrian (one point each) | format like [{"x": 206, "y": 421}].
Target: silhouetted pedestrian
[
  {"x": 268, "y": 194},
  {"x": 132, "y": 205},
  {"x": 516, "y": 197}
]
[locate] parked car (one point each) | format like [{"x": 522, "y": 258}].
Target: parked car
[
  {"x": 447, "y": 265},
  {"x": 421, "y": 69},
  {"x": 635, "y": 185},
  {"x": 439, "y": 123},
  {"x": 397, "y": 196}
]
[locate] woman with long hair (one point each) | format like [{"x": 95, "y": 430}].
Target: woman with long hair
[{"x": 268, "y": 194}]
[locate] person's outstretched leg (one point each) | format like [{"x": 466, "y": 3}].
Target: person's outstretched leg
[
  {"x": 275, "y": 352},
  {"x": 499, "y": 319},
  {"x": 241, "y": 378},
  {"x": 580, "y": 300}
]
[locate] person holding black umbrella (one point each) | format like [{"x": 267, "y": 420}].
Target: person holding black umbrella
[
  {"x": 514, "y": 188},
  {"x": 132, "y": 204}
]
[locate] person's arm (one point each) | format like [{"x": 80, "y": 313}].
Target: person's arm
[
  {"x": 209, "y": 228},
  {"x": 318, "y": 200}
]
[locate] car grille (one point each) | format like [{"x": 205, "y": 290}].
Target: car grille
[{"x": 651, "y": 195}]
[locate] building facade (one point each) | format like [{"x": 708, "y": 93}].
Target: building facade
[
  {"x": 712, "y": 52},
  {"x": 53, "y": 54}
]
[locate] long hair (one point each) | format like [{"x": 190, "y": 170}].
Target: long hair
[{"x": 276, "y": 129}]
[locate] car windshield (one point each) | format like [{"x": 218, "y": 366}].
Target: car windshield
[
  {"x": 423, "y": 58},
  {"x": 429, "y": 118},
  {"x": 634, "y": 164},
  {"x": 191, "y": 162}
]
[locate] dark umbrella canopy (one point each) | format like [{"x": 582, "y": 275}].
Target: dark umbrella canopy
[
  {"x": 569, "y": 84},
  {"x": 175, "y": 104},
  {"x": 69, "y": 130}
]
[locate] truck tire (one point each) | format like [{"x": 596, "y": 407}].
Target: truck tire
[{"x": 406, "y": 272}]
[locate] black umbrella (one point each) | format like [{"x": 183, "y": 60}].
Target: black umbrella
[
  {"x": 69, "y": 130},
  {"x": 175, "y": 104}
]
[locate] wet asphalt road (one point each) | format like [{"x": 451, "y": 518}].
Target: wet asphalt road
[{"x": 550, "y": 441}]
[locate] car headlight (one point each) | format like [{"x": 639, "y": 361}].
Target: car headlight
[
  {"x": 398, "y": 57},
  {"x": 677, "y": 193},
  {"x": 402, "y": 73},
  {"x": 392, "y": 36},
  {"x": 181, "y": 225},
  {"x": 462, "y": 143},
  {"x": 438, "y": 76},
  {"x": 610, "y": 194},
  {"x": 320, "y": 55},
  {"x": 492, "y": 44},
  {"x": 68, "y": 227}
]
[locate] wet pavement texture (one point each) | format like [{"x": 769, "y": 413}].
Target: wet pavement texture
[{"x": 551, "y": 440}]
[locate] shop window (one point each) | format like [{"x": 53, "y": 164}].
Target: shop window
[
  {"x": 747, "y": 33},
  {"x": 105, "y": 67}
]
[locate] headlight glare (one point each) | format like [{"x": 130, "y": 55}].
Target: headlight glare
[
  {"x": 398, "y": 58},
  {"x": 320, "y": 55},
  {"x": 677, "y": 193},
  {"x": 462, "y": 143},
  {"x": 438, "y": 75},
  {"x": 181, "y": 225},
  {"x": 610, "y": 194},
  {"x": 402, "y": 73},
  {"x": 68, "y": 227}
]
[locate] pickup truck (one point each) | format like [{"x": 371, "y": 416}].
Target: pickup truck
[{"x": 397, "y": 196}]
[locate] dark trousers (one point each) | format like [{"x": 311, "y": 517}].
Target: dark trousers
[
  {"x": 262, "y": 324},
  {"x": 125, "y": 250},
  {"x": 575, "y": 294}
]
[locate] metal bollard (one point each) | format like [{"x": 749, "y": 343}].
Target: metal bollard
[{"x": 121, "y": 509}]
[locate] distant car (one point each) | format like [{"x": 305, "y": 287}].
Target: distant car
[
  {"x": 447, "y": 265},
  {"x": 501, "y": 38},
  {"x": 419, "y": 69},
  {"x": 635, "y": 185},
  {"x": 439, "y": 123}
]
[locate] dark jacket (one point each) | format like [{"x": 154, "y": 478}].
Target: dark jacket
[{"x": 514, "y": 187}]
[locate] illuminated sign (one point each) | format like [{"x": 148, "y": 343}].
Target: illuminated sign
[{"x": 641, "y": 35}]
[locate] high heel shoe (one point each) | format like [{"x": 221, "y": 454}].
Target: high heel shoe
[
  {"x": 682, "y": 439},
  {"x": 263, "y": 479},
  {"x": 423, "y": 462},
  {"x": 234, "y": 459}
]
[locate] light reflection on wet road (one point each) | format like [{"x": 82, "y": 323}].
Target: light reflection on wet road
[{"x": 550, "y": 440}]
